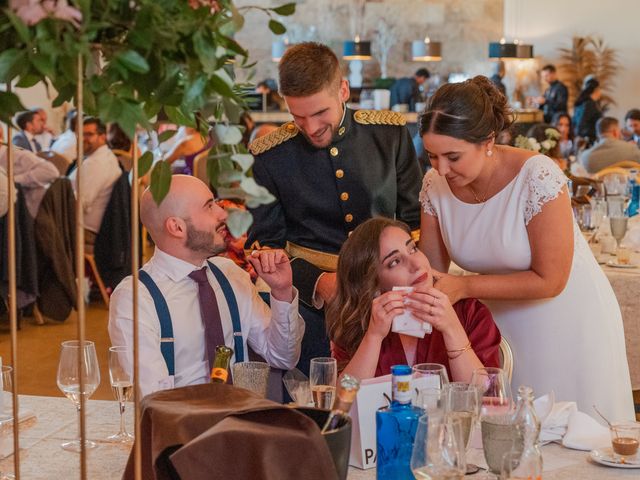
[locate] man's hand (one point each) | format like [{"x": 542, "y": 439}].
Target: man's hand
[
  {"x": 274, "y": 268},
  {"x": 326, "y": 286}
]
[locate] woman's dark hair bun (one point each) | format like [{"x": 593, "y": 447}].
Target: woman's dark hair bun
[{"x": 474, "y": 111}]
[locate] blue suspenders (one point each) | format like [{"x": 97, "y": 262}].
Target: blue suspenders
[{"x": 166, "y": 327}]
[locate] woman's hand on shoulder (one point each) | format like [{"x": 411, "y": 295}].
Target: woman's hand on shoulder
[
  {"x": 453, "y": 286},
  {"x": 431, "y": 305},
  {"x": 384, "y": 309}
]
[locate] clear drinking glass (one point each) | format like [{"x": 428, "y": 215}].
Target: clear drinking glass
[
  {"x": 437, "y": 450},
  {"x": 69, "y": 379},
  {"x": 618, "y": 226},
  {"x": 462, "y": 401},
  {"x": 6, "y": 410},
  {"x": 120, "y": 376},
  {"x": 433, "y": 375},
  {"x": 323, "y": 374},
  {"x": 494, "y": 390}
]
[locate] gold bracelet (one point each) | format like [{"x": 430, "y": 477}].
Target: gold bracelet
[{"x": 459, "y": 351}]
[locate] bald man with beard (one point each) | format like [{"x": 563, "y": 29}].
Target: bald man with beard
[{"x": 189, "y": 231}]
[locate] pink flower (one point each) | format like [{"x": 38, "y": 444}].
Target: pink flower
[
  {"x": 212, "y": 4},
  {"x": 34, "y": 11}
]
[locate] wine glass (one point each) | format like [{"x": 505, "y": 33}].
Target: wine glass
[
  {"x": 437, "y": 448},
  {"x": 429, "y": 375},
  {"x": 323, "y": 374},
  {"x": 122, "y": 387},
  {"x": 69, "y": 379},
  {"x": 6, "y": 410},
  {"x": 618, "y": 225}
]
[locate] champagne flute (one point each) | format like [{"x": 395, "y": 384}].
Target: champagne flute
[
  {"x": 462, "y": 401},
  {"x": 6, "y": 410},
  {"x": 68, "y": 380},
  {"x": 618, "y": 227},
  {"x": 122, "y": 387},
  {"x": 323, "y": 374}
]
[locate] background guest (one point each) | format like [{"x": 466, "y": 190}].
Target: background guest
[
  {"x": 587, "y": 111},
  {"x": 498, "y": 75},
  {"x": 30, "y": 125},
  {"x": 406, "y": 90},
  {"x": 66, "y": 144},
  {"x": 379, "y": 255},
  {"x": 555, "y": 97},
  {"x": 46, "y": 137},
  {"x": 562, "y": 123},
  {"x": 4, "y": 193},
  {"x": 632, "y": 122},
  {"x": 610, "y": 147}
]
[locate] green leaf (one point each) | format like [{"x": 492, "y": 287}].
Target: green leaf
[
  {"x": 179, "y": 117},
  {"x": 44, "y": 64},
  {"x": 285, "y": 10},
  {"x": 238, "y": 221},
  {"x": 206, "y": 51},
  {"x": 277, "y": 27},
  {"x": 64, "y": 95},
  {"x": 220, "y": 86},
  {"x": 11, "y": 62},
  {"x": 228, "y": 134},
  {"x": 28, "y": 80},
  {"x": 133, "y": 61},
  {"x": 145, "y": 162},
  {"x": 244, "y": 160},
  {"x": 9, "y": 105},
  {"x": 19, "y": 25},
  {"x": 160, "y": 181},
  {"x": 167, "y": 87},
  {"x": 166, "y": 135},
  {"x": 194, "y": 93}
]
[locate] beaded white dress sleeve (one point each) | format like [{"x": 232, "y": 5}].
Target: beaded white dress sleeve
[{"x": 572, "y": 344}]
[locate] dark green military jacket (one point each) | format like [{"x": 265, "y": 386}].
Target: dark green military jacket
[{"x": 369, "y": 169}]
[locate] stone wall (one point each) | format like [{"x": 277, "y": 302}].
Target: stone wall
[{"x": 465, "y": 27}]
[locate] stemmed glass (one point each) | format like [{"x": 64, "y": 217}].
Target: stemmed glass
[
  {"x": 6, "y": 410},
  {"x": 618, "y": 224},
  {"x": 323, "y": 374},
  {"x": 122, "y": 387},
  {"x": 437, "y": 450},
  {"x": 461, "y": 401},
  {"x": 69, "y": 379}
]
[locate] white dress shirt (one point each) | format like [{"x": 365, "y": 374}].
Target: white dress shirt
[
  {"x": 45, "y": 139},
  {"x": 275, "y": 334},
  {"x": 66, "y": 145},
  {"x": 32, "y": 172},
  {"x": 100, "y": 171}
]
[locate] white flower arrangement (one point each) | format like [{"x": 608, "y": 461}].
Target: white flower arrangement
[{"x": 544, "y": 147}]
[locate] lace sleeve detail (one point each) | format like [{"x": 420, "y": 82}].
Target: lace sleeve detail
[
  {"x": 544, "y": 182},
  {"x": 427, "y": 206}
]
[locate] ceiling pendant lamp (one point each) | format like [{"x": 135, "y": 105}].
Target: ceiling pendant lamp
[
  {"x": 426, "y": 51},
  {"x": 356, "y": 50},
  {"x": 502, "y": 49}
]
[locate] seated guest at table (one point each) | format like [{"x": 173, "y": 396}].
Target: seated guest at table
[
  {"x": 610, "y": 147},
  {"x": 65, "y": 145},
  {"x": 33, "y": 173},
  {"x": 30, "y": 124},
  {"x": 45, "y": 137},
  {"x": 562, "y": 123},
  {"x": 189, "y": 230},
  {"x": 100, "y": 171},
  {"x": 632, "y": 121},
  {"x": 191, "y": 144},
  {"x": 379, "y": 255},
  {"x": 269, "y": 89},
  {"x": 407, "y": 90}
]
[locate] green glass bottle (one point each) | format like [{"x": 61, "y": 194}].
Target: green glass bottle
[
  {"x": 349, "y": 386},
  {"x": 220, "y": 369}
]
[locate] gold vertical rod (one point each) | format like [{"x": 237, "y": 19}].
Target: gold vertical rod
[
  {"x": 80, "y": 306},
  {"x": 135, "y": 265},
  {"x": 13, "y": 307}
]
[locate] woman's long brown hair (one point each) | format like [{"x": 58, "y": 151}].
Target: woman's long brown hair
[{"x": 348, "y": 314}]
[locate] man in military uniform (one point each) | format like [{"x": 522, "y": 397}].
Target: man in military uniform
[{"x": 330, "y": 169}]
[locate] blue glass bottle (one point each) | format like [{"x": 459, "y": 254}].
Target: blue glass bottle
[
  {"x": 396, "y": 428},
  {"x": 634, "y": 193}
]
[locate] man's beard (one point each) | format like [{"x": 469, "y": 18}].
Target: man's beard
[
  {"x": 202, "y": 241},
  {"x": 326, "y": 143}
]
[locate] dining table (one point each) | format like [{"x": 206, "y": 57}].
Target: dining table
[{"x": 53, "y": 420}]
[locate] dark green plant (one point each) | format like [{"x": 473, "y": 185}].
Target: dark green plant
[{"x": 140, "y": 57}]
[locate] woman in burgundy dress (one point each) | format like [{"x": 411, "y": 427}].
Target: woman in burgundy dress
[{"x": 379, "y": 255}]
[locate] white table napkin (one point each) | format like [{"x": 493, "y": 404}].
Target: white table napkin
[
  {"x": 585, "y": 433},
  {"x": 554, "y": 417}
]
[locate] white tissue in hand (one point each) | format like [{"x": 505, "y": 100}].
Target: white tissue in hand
[{"x": 406, "y": 323}]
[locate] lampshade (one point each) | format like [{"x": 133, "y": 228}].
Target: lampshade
[
  {"x": 356, "y": 50},
  {"x": 502, "y": 50},
  {"x": 524, "y": 50},
  {"x": 426, "y": 51},
  {"x": 277, "y": 49}
]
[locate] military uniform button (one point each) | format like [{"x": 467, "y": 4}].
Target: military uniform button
[
  {"x": 333, "y": 152},
  {"x": 339, "y": 173},
  {"x": 348, "y": 218},
  {"x": 291, "y": 127},
  {"x": 341, "y": 131},
  {"x": 344, "y": 196}
]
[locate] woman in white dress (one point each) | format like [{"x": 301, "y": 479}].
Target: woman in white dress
[{"x": 505, "y": 214}]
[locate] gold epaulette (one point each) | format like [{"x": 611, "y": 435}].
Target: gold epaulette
[
  {"x": 273, "y": 139},
  {"x": 379, "y": 117},
  {"x": 415, "y": 235}
]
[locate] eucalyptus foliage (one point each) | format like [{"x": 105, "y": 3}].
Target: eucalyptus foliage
[{"x": 140, "y": 57}]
